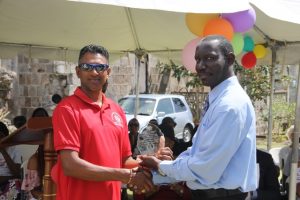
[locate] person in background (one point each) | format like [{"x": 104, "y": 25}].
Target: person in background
[
  {"x": 19, "y": 121},
  {"x": 56, "y": 98},
  {"x": 133, "y": 127},
  {"x": 159, "y": 133},
  {"x": 40, "y": 112},
  {"x": 284, "y": 151},
  {"x": 154, "y": 122},
  {"x": 268, "y": 187},
  {"x": 221, "y": 163},
  {"x": 167, "y": 126},
  {"x": 287, "y": 166},
  {"x": 91, "y": 138},
  {"x": 168, "y": 121},
  {"x": 10, "y": 172},
  {"x": 33, "y": 181},
  {"x": 283, "y": 155},
  {"x": 169, "y": 134}
]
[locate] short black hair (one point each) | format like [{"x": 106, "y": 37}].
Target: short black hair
[
  {"x": 40, "y": 112},
  {"x": 94, "y": 49},
  {"x": 154, "y": 122},
  {"x": 133, "y": 122},
  {"x": 19, "y": 121},
  {"x": 225, "y": 45},
  {"x": 3, "y": 129},
  {"x": 168, "y": 120},
  {"x": 56, "y": 98},
  {"x": 168, "y": 131}
]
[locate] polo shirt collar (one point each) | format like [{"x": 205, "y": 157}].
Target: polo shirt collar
[
  {"x": 219, "y": 88},
  {"x": 80, "y": 94}
]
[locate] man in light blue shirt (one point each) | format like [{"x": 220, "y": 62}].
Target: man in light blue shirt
[{"x": 221, "y": 164}]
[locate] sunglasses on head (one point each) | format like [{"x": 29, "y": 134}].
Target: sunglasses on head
[{"x": 90, "y": 67}]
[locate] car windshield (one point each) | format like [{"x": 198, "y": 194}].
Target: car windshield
[{"x": 146, "y": 105}]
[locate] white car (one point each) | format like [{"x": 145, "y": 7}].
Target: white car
[{"x": 159, "y": 106}]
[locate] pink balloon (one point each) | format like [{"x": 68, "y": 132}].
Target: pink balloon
[{"x": 188, "y": 55}]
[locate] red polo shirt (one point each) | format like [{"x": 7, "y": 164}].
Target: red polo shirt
[{"x": 100, "y": 136}]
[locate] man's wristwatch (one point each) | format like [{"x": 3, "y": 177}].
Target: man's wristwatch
[{"x": 161, "y": 172}]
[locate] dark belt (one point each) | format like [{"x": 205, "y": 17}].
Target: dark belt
[{"x": 216, "y": 193}]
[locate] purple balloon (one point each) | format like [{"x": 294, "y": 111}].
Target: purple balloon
[{"x": 241, "y": 21}]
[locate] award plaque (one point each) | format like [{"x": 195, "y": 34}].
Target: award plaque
[{"x": 148, "y": 140}]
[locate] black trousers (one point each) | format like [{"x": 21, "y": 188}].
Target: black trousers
[{"x": 218, "y": 194}]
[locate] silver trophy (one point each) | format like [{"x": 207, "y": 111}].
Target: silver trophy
[{"x": 148, "y": 140}]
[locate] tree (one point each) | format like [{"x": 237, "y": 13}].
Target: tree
[
  {"x": 256, "y": 81},
  {"x": 179, "y": 71}
]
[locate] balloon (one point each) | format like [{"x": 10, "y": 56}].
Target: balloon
[
  {"x": 259, "y": 51},
  {"x": 237, "y": 43},
  {"x": 241, "y": 21},
  {"x": 196, "y": 22},
  {"x": 248, "y": 43},
  {"x": 249, "y": 60},
  {"x": 218, "y": 26},
  {"x": 188, "y": 54}
]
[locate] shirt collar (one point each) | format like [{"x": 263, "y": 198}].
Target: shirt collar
[
  {"x": 214, "y": 93},
  {"x": 79, "y": 93}
]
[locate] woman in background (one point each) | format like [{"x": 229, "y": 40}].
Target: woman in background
[
  {"x": 32, "y": 182},
  {"x": 10, "y": 172}
]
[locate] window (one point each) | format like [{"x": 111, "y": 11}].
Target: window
[
  {"x": 146, "y": 105},
  {"x": 179, "y": 105},
  {"x": 165, "y": 105}
]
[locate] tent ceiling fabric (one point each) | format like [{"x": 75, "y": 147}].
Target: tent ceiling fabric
[
  {"x": 192, "y": 6},
  {"x": 285, "y": 10},
  {"x": 71, "y": 25}
]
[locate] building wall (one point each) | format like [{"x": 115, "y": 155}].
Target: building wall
[{"x": 38, "y": 79}]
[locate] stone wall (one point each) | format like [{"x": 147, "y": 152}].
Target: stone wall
[{"x": 38, "y": 79}]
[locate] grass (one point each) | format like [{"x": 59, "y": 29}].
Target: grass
[{"x": 261, "y": 143}]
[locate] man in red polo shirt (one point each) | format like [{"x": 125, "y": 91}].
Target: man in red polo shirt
[{"x": 91, "y": 138}]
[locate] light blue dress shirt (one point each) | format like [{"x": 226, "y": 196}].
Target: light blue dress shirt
[{"x": 223, "y": 154}]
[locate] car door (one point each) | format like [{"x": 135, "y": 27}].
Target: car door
[
  {"x": 164, "y": 106},
  {"x": 180, "y": 115}
]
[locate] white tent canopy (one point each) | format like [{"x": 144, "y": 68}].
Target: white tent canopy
[
  {"x": 58, "y": 28},
  {"x": 192, "y": 6}
]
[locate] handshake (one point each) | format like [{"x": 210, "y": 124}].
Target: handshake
[{"x": 141, "y": 178}]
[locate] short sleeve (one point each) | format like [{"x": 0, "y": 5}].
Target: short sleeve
[{"x": 66, "y": 128}]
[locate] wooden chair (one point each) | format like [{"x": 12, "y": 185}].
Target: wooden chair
[{"x": 38, "y": 130}]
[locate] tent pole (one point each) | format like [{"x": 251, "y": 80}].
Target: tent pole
[
  {"x": 139, "y": 53},
  {"x": 132, "y": 27},
  {"x": 270, "y": 121},
  {"x": 138, "y": 62},
  {"x": 295, "y": 144},
  {"x": 146, "y": 57}
]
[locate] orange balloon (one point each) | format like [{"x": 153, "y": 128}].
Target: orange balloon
[
  {"x": 196, "y": 22},
  {"x": 218, "y": 26}
]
